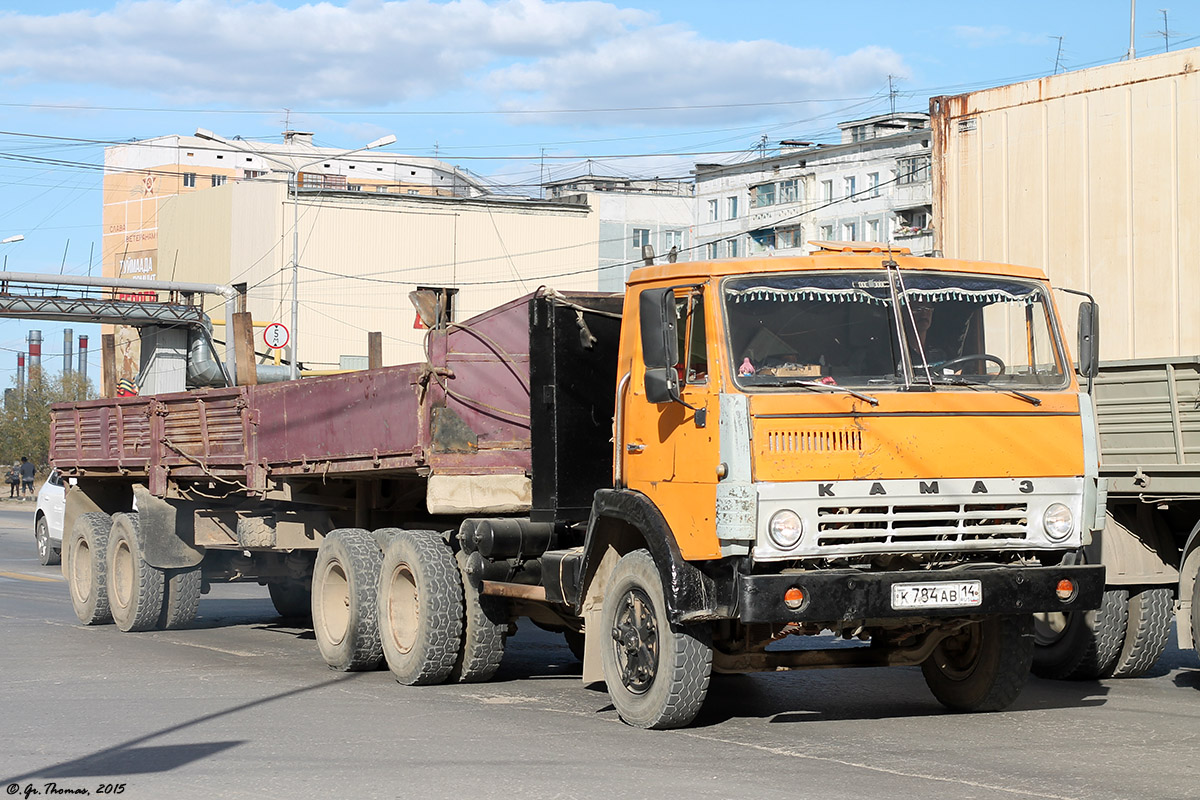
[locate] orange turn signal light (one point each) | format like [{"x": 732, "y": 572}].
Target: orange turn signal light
[
  {"x": 1065, "y": 589},
  {"x": 793, "y": 597}
]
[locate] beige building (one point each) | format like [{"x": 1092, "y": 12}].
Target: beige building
[
  {"x": 1092, "y": 176},
  {"x": 373, "y": 226},
  {"x": 361, "y": 253}
]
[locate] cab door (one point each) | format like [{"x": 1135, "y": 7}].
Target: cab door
[{"x": 671, "y": 448}]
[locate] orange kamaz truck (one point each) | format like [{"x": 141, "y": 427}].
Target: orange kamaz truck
[{"x": 725, "y": 469}]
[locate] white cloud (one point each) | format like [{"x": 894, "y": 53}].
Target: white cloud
[
  {"x": 221, "y": 51},
  {"x": 375, "y": 54}
]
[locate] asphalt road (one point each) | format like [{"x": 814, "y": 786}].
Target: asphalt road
[{"x": 243, "y": 706}]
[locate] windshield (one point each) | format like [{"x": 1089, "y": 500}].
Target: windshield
[{"x": 841, "y": 328}]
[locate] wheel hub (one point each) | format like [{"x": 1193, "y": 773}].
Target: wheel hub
[{"x": 635, "y": 641}]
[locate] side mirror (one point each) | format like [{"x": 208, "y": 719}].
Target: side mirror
[
  {"x": 660, "y": 345},
  {"x": 1089, "y": 339}
]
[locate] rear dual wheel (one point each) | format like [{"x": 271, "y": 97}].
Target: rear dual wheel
[
  {"x": 344, "y": 600},
  {"x": 1121, "y": 639},
  {"x": 87, "y": 567}
]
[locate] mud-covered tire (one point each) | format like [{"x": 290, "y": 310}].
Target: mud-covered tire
[
  {"x": 1083, "y": 646},
  {"x": 135, "y": 589},
  {"x": 485, "y": 625},
  {"x": 657, "y": 673},
  {"x": 420, "y": 607},
  {"x": 984, "y": 667},
  {"x": 1146, "y": 631},
  {"x": 47, "y": 555},
  {"x": 344, "y": 600},
  {"x": 181, "y": 598},
  {"x": 87, "y": 567},
  {"x": 292, "y": 598}
]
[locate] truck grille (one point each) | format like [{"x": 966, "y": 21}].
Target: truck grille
[{"x": 921, "y": 525}]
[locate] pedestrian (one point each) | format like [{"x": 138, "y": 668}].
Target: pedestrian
[
  {"x": 27, "y": 470},
  {"x": 14, "y": 480}
]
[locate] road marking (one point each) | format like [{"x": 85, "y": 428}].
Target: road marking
[
  {"x": 242, "y": 653},
  {"x": 22, "y": 577}
]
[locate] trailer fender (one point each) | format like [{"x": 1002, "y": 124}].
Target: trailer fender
[
  {"x": 622, "y": 521},
  {"x": 165, "y": 547},
  {"x": 1189, "y": 566}
]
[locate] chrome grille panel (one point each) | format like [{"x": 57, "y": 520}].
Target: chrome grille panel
[{"x": 920, "y": 523}]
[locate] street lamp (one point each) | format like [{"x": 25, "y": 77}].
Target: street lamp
[
  {"x": 291, "y": 168},
  {"x": 19, "y": 237}
]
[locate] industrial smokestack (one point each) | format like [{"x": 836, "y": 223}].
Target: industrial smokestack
[
  {"x": 68, "y": 353},
  {"x": 83, "y": 354},
  {"x": 21, "y": 373},
  {"x": 35, "y": 351}
]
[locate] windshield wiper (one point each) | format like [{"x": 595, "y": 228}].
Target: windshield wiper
[
  {"x": 833, "y": 387},
  {"x": 958, "y": 380}
]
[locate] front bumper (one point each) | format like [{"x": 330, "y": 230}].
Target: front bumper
[{"x": 844, "y": 595}]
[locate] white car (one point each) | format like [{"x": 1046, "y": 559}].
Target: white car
[{"x": 48, "y": 521}]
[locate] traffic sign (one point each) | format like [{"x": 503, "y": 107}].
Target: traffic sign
[{"x": 276, "y": 335}]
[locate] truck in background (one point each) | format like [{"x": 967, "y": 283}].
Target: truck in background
[
  {"x": 730, "y": 454},
  {"x": 1090, "y": 176}
]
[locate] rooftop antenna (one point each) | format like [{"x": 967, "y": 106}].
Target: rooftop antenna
[
  {"x": 1058, "y": 55},
  {"x": 1166, "y": 31},
  {"x": 892, "y": 92}
]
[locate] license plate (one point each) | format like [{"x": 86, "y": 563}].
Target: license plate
[{"x": 939, "y": 594}]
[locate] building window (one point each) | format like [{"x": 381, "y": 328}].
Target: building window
[
  {"x": 732, "y": 248},
  {"x": 731, "y": 206},
  {"x": 859, "y": 133},
  {"x": 355, "y": 187},
  {"x": 251, "y": 174},
  {"x": 873, "y": 183},
  {"x": 788, "y": 191},
  {"x": 714, "y": 213},
  {"x": 712, "y": 250},
  {"x": 790, "y": 237},
  {"x": 218, "y": 180},
  {"x": 850, "y": 231},
  {"x": 850, "y": 186},
  {"x": 641, "y": 238},
  {"x": 827, "y": 191},
  {"x": 826, "y": 232},
  {"x": 764, "y": 195},
  {"x": 873, "y": 230},
  {"x": 189, "y": 180},
  {"x": 912, "y": 170},
  {"x": 381, "y": 189},
  {"x": 672, "y": 239}
]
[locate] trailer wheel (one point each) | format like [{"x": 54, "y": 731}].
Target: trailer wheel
[
  {"x": 292, "y": 598},
  {"x": 181, "y": 598},
  {"x": 657, "y": 673},
  {"x": 87, "y": 567},
  {"x": 1081, "y": 645},
  {"x": 485, "y": 623},
  {"x": 47, "y": 555},
  {"x": 420, "y": 607},
  {"x": 344, "y": 600},
  {"x": 1146, "y": 632},
  {"x": 984, "y": 667},
  {"x": 135, "y": 589}
]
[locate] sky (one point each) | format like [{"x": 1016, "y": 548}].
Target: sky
[{"x": 514, "y": 91}]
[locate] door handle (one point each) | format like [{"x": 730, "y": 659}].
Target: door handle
[{"x": 634, "y": 448}]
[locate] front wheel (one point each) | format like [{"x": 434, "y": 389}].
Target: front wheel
[
  {"x": 983, "y": 667},
  {"x": 47, "y": 555},
  {"x": 657, "y": 673}
]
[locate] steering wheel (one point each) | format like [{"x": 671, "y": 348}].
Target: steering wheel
[{"x": 974, "y": 357}]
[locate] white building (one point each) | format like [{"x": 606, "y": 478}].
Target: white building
[
  {"x": 874, "y": 185},
  {"x": 632, "y": 213}
]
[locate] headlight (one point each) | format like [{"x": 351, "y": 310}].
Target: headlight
[
  {"x": 1058, "y": 522},
  {"x": 785, "y": 529}
]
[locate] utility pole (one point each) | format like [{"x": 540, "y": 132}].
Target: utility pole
[
  {"x": 892, "y": 92},
  {"x": 1132, "y": 15},
  {"x": 1058, "y": 55}
]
